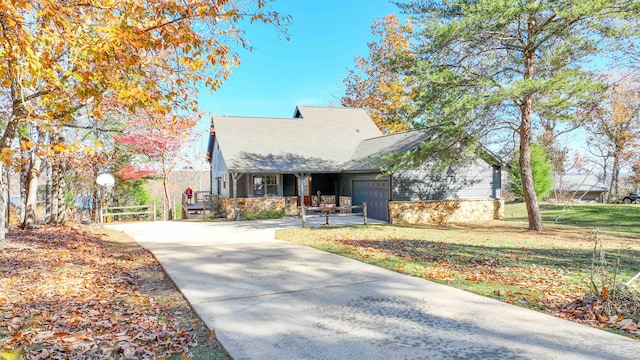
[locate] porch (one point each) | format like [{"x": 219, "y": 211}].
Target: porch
[{"x": 195, "y": 204}]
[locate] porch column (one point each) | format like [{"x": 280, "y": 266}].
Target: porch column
[
  {"x": 236, "y": 212},
  {"x": 303, "y": 212}
]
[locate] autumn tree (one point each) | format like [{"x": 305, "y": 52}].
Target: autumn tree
[
  {"x": 61, "y": 57},
  {"x": 160, "y": 139},
  {"x": 374, "y": 84},
  {"x": 483, "y": 66},
  {"x": 615, "y": 125}
]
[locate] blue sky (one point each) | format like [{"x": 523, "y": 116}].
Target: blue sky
[
  {"x": 306, "y": 70},
  {"x": 278, "y": 75}
]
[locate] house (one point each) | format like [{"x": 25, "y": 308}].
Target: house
[
  {"x": 325, "y": 154},
  {"x": 579, "y": 188}
]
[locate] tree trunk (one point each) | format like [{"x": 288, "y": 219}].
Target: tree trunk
[
  {"x": 53, "y": 201},
  {"x": 531, "y": 200},
  {"x": 29, "y": 221},
  {"x": 58, "y": 206},
  {"x": 8, "y": 136},
  {"x": 10, "y": 131},
  {"x": 3, "y": 205},
  {"x": 94, "y": 204},
  {"x": 167, "y": 200},
  {"x": 62, "y": 205},
  {"x": 25, "y": 167},
  {"x": 526, "y": 106},
  {"x": 48, "y": 191},
  {"x": 614, "y": 190}
]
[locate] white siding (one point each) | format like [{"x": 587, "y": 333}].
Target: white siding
[{"x": 219, "y": 170}]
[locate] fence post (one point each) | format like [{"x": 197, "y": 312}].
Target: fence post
[
  {"x": 364, "y": 212},
  {"x": 154, "y": 212}
]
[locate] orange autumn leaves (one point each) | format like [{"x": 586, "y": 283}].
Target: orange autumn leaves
[
  {"x": 63, "y": 59},
  {"x": 63, "y": 296},
  {"x": 375, "y": 85}
]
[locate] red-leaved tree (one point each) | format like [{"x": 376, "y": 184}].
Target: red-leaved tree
[{"x": 158, "y": 139}]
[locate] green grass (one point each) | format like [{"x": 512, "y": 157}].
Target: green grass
[
  {"x": 621, "y": 219},
  {"x": 499, "y": 259}
]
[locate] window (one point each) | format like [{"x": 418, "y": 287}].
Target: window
[
  {"x": 258, "y": 186},
  {"x": 271, "y": 183},
  {"x": 265, "y": 185}
]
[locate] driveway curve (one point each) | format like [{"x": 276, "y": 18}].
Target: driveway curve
[{"x": 270, "y": 299}]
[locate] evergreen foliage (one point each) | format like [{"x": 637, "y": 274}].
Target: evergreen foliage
[
  {"x": 542, "y": 169},
  {"x": 488, "y": 67}
]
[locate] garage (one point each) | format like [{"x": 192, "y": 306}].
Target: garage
[{"x": 376, "y": 194}]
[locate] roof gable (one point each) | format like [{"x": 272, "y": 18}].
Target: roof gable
[{"x": 316, "y": 140}]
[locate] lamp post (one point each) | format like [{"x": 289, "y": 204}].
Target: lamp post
[{"x": 106, "y": 182}]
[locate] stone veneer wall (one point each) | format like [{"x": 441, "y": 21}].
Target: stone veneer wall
[
  {"x": 444, "y": 211},
  {"x": 257, "y": 205},
  {"x": 288, "y": 203},
  {"x": 291, "y": 206}
]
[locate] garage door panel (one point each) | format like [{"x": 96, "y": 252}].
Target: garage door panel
[{"x": 376, "y": 194}]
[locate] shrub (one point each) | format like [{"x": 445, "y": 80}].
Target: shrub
[{"x": 264, "y": 214}]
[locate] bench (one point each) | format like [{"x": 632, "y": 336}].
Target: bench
[{"x": 330, "y": 210}]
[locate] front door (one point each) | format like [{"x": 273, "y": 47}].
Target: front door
[{"x": 306, "y": 186}]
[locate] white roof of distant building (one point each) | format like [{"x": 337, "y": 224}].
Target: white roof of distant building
[{"x": 580, "y": 182}]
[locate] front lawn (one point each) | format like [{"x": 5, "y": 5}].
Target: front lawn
[
  {"x": 549, "y": 271},
  {"x": 621, "y": 219}
]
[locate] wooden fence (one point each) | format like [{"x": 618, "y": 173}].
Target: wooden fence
[{"x": 116, "y": 211}]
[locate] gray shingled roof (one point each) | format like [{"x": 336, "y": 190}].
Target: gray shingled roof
[
  {"x": 323, "y": 140},
  {"x": 371, "y": 150}
]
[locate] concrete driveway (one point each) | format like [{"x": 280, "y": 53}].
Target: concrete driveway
[{"x": 269, "y": 299}]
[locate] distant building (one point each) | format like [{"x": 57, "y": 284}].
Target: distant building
[{"x": 579, "y": 188}]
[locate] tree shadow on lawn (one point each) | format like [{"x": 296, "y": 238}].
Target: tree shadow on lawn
[{"x": 469, "y": 256}]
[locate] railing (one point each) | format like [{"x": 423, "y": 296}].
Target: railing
[
  {"x": 116, "y": 211},
  {"x": 199, "y": 201},
  {"x": 330, "y": 210}
]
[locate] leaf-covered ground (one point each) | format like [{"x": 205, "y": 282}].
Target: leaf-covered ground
[
  {"x": 68, "y": 294},
  {"x": 548, "y": 271}
]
